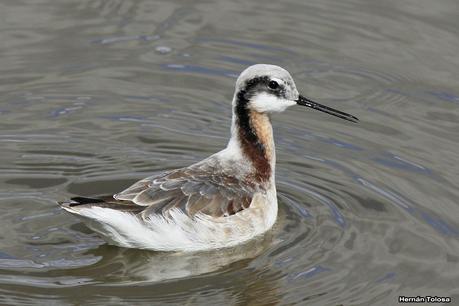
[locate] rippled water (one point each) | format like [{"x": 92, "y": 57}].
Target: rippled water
[{"x": 97, "y": 94}]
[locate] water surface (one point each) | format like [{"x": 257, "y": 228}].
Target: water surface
[{"x": 97, "y": 94}]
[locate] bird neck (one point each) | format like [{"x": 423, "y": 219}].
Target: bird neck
[{"x": 252, "y": 133}]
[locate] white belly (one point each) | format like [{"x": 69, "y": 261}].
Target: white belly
[{"x": 182, "y": 233}]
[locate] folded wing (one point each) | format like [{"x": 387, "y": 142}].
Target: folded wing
[{"x": 192, "y": 190}]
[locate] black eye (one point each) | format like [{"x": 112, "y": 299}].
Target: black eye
[{"x": 273, "y": 85}]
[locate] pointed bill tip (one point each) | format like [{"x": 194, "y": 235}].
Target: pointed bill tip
[{"x": 323, "y": 108}]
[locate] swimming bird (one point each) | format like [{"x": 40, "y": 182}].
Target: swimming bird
[{"x": 224, "y": 200}]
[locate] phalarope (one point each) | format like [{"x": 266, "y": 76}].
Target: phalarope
[{"x": 223, "y": 200}]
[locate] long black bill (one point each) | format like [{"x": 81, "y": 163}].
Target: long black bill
[{"x": 309, "y": 103}]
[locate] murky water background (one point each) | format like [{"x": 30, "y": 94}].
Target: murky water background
[{"x": 97, "y": 94}]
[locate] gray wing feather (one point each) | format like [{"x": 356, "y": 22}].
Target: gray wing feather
[{"x": 192, "y": 190}]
